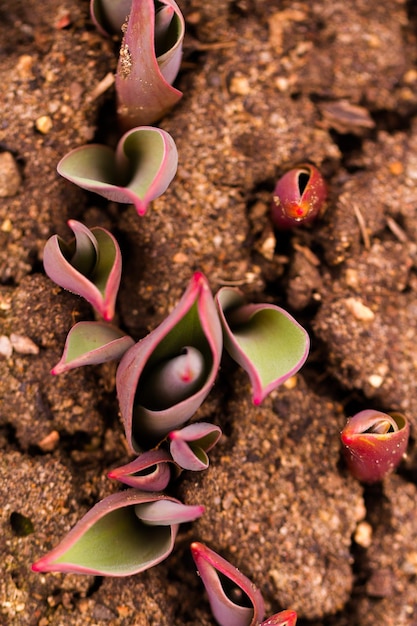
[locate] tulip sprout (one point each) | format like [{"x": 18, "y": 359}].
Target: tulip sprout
[
  {"x": 374, "y": 444},
  {"x": 299, "y": 197}
]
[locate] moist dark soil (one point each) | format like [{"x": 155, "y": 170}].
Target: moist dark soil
[{"x": 266, "y": 85}]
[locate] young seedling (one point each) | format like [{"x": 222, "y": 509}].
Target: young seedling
[
  {"x": 149, "y": 61},
  {"x": 189, "y": 446},
  {"x": 140, "y": 170},
  {"x": 164, "y": 378},
  {"x": 150, "y": 471},
  {"x": 299, "y": 197},
  {"x": 126, "y": 533},
  {"x": 264, "y": 339},
  {"x": 374, "y": 444},
  {"x": 234, "y": 599},
  {"x": 89, "y": 265}
]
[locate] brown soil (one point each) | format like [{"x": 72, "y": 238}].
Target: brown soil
[{"x": 266, "y": 84}]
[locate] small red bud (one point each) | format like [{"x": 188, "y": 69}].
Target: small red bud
[
  {"x": 374, "y": 444},
  {"x": 299, "y": 197}
]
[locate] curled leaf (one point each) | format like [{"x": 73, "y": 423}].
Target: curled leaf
[
  {"x": 299, "y": 197},
  {"x": 189, "y": 446},
  {"x": 149, "y": 403},
  {"x": 144, "y": 164},
  {"x": 89, "y": 265},
  {"x": 374, "y": 443},
  {"x": 174, "y": 379},
  {"x": 149, "y": 61},
  {"x": 265, "y": 340},
  {"x": 91, "y": 343},
  {"x": 113, "y": 540},
  {"x": 234, "y": 599},
  {"x": 150, "y": 471}
]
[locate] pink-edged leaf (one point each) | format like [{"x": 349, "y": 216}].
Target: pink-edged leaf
[
  {"x": 374, "y": 443},
  {"x": 90, "y": 343},
  {"x": 234, "y": 599},
  {"x": 283, "y": 618},
  {"x": 167, "y": 512},
  {"x": 149, "y": 472},
  {"x": 90, "y": 266},
  {"x": 264, "y": 339},
  {"x": 110, "y": 540},
  {"x": 144, "y": 164},
  {"x": 149, "y": 61},
  {"x": 189, "y": 446},
  {"x": 194, "y": 322}
]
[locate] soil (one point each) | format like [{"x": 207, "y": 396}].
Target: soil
[{"x": 266, "y": 85}]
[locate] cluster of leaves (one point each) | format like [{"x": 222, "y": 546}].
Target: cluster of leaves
[{"x": 163, "y": 379}]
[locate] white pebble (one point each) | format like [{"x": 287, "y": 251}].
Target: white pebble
[
  {"x": 6, "y": 348},
  {"x": 23, "y": 345}
]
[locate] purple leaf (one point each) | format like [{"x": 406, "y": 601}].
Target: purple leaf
[
  {"x": 284, "y": 618},
  {"x": 149, "y": 472},
  {"x": 264, "y": 339},
  {"x": 144, "y": 164},
  {"x": 91, "y": 343},
  {"x": 149, "y": 61},
  {"x": 374, "y": 443},
  {"x": 111, "y": 540},
  {"x": 189, "y": 445},
  {"x": 89, "y": 265},
  {"x": 234, "y": 599},
  {"x": 148, "y": 417}
]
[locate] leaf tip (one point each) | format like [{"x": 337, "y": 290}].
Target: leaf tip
[
  {"x": 39, "y": 565},
  {"x": 108, "y": 315},
  {"x": 199, "y": 279},
  {"x": 257, "y": 399},
  {"x": 141, "y": 208}
]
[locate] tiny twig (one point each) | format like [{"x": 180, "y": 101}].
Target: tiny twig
[
  {"x": 362, "y": 227},
  {"x": 102, "y": 86},
  {"x": 396, "y": 230}
]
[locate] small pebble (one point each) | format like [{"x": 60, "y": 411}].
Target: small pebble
[
  {"x": 375, "y": 380},
  {"x": 363, "y": 534},
  {"x": 239, "y": 85},
  {"x": 290, "y": 383},
  {"x": 50, "y": 442},
  {"x": 180, "y": 258},
  {"x": 43, "y": 124},
  {"x": 7, "y": 226},
  {"x": 6, "y": 348},
  {"x": 10, "y": 179},
  {"x": 359, "y": 310},
  {"x": 24, "y": 66},
  {"x": 23, "y": 345}
]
